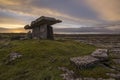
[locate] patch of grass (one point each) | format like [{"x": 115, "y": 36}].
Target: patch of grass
[
  {"x": 41, "y": 59},
  {"x": 96, "y": 72}
]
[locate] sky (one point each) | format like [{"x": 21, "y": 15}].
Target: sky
[{"x": 87, "y": 15}]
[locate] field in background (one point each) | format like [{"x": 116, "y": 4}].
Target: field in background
[{"x": 99, "y": 40}]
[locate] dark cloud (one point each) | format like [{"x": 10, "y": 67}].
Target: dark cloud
[
  {"x": 74, "y": 13},
  {"x": 14, "y": 16},
  {"x": 70, "y": 7},
  {"x": 7, "y": 30}
]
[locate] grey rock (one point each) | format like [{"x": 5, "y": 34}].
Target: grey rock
[
  {"x": 12, "y": 56},
  {"x": 78, "y": 79},
  {"x": 116, "y": 76},
  {"x": 68, "y": 75},
  {"x": 115, "y": 50},
  {"x": 101, "y": 54},
  {"x": 89, "y": 79},
  {"x": 117, "y": 61},
  {"x": 84, "y": 61},
  {"x": 105, "y": 79}
]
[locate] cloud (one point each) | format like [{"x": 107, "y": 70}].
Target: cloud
[
  {"x": 16, "y": 30},
  {"x": 74, "y": 13},
  {"x": 107, "y": 9},
  {"x": 58, "y": 8}
]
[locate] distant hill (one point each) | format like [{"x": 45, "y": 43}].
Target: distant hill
[
  {"x": 82, "y": 30},
  {"x": 87, "y": 30}
]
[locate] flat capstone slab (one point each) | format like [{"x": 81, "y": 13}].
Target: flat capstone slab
[
  {"x": 100, "y": 53},
  {"x": 84, "y": 61}
]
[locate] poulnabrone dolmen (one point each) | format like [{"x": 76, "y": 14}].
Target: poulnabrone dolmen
[{"x": 41, "y": 27}]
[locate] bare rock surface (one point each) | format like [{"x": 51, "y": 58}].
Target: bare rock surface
[
  {"x": 12, "y": 56},
  {"x": 6, "y": 44},
  {"x": 70, "y": 75},
  {"x": 90, "y": 60},
  {"x": 116, "y": 76},
  {"x": 117, "y": 61},
  {"x": 101, "y": 54},
  {"x": 106, "y": 79},
  {"x": 89, "y": 79},
  {"x": 115, "y": 50},
  {"x": 84, "y": 61}
]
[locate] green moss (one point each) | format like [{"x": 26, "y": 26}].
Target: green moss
[{"x": 96, "y": 72}]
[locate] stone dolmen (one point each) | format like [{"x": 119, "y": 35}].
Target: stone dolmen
[{"x": 41, "y": 27}]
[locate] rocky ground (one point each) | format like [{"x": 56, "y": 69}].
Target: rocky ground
[{"x": 108, "y": 58}]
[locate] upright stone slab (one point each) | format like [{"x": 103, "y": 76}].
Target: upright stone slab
[{"x": 41, "y": 27}]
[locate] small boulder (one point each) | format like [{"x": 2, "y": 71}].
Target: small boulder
[
  {"x": 84, "y": 61},
  {"x": 100, "y": 54},
  {"x": 12, "y": 57}
]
